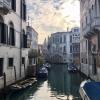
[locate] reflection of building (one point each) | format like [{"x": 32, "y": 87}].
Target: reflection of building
[
  {"x": 90, "y": 38},
  {"x": 75, "y": 45},
  {"x": 13, "y": 41},
  {"x": 59, "y": 47}
]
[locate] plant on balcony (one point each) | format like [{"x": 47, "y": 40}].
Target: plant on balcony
[{"x": 33, "y": 53}]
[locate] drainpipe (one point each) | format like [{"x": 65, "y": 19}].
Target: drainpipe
[{"x": 20, "y": 53}]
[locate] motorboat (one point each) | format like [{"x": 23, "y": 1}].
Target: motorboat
[
  {"x": 72, "y": 68},
  {"x": 90, "y": 90},
  {"x": 47, "y": 65},
  {"x": 42, "y": 73}
]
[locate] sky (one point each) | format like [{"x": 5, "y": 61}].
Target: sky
[{"x": 50, "y": 16}]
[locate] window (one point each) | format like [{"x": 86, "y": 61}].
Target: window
[
  {"x": 11, "y": 34},
  {"x": 71, "y": 49},
  {"x": 76, "y": 30},
  {"x": 13, "y": 5},
  {"x": 23, "y": 9},
  {"x": 86, "y": 60},
  {"x": 99, "y": 41},
  {"x": 64, "y": 49},
  {"x": 60, "y": 39},
  {"x": 86, "y": 20},
  {"x": 10, "y": 62},
  {"x": 3, "y": 31},
  {"x": 64, "y": 38},
  {"x": 23, "y": 60},
  {"x": 82, "y": 60},
  {"x": 1, "y": 66},
  {"x": 70, "y": 38},
  {"x": 24, "y": 40}
]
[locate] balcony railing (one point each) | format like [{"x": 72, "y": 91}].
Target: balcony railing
[{"x": 5, "y": 6}]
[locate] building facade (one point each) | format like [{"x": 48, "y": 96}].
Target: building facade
[
  {"x": 32, "y": 44},
  {"x": 90, "y": 38},
  {"x": 75, "y": 45},
  {"x": 59, "y": 47},
  {"x": 13, "y": 41}
]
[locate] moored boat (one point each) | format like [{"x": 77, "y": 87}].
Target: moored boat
[
  {"x": 72, "y": 68},
  {"x": 90, "y": 90},
  {"x": 47, "y": 65},
  {"x": 43, "y": 73},
  {"x": 23, "y": 84}
]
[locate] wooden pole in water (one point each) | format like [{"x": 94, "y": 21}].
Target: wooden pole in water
[
  {"x": 4, "y": 74},
  {"x": 24, "y": 71},
  {"x": 15, "y": 73}
]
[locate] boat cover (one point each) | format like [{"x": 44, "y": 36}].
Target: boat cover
[{"x": 92, "y": 90}]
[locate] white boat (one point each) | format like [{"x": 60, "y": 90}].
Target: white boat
[{"x": 90, "y": 90}]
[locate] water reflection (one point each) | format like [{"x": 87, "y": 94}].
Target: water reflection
[
  {"x": 60, "y": 85},
  {"x": 63, "y": 83}
]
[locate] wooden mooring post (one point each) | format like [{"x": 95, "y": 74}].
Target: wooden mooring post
[{"x": 4, "y": 74}]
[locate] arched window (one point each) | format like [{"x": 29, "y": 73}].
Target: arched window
[
  {"x": 24, "y": 39},
  {"x": 11, "y": 34},
  {"x": 13, "y": 5},
  {"x": 3, "y": 31}
]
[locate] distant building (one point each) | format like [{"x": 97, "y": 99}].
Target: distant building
[
  {"x": 75, "y": 45},
  {"x": 32, "y": 38},
  {"x": 32, "y": 41},
  {"x": 59, "y": 47},
  {"x": 32, "y": 44},
  {"x": 90, "y": 38}
]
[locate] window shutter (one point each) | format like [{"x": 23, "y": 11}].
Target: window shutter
[
  {"x": 21, "y": 14},
  {"x": 14, "y": 5},
  {"x": 99, "y": 41},
  {"x": 25, "y": 41},
  {"x": 2, "y": 33},
  {"x": 13, "y": 37},
  {"x": 22, "y": 40},
  {"x": 24, "y": 11},
  {"x": 6, "y": 30}
]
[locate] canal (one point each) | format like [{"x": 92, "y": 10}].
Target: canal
[{"x": 60, "y": 85}]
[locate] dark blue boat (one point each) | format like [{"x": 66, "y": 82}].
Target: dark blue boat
[
  {"x": 43, "y": 73},
  {"x": 90, "y": 90}
]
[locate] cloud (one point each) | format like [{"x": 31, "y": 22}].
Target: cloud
[{"x": 48, "y": 16}]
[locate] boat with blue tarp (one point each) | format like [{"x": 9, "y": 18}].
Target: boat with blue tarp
[{"x": 90, "y": 90}]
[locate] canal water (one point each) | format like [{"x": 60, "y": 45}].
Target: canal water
[{"x": 60, "y": 85}]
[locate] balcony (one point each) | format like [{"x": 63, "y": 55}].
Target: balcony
[
  {"x": 5, "y": 6},
  {"x": 93, "y": 28},
  {"x": 96, "y": 22}
]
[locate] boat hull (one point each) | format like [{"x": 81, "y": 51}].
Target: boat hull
[{"x": 42, "y": 75}]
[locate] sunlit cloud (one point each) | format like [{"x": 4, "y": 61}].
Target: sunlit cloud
[{"x": 49, "y": 16}]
